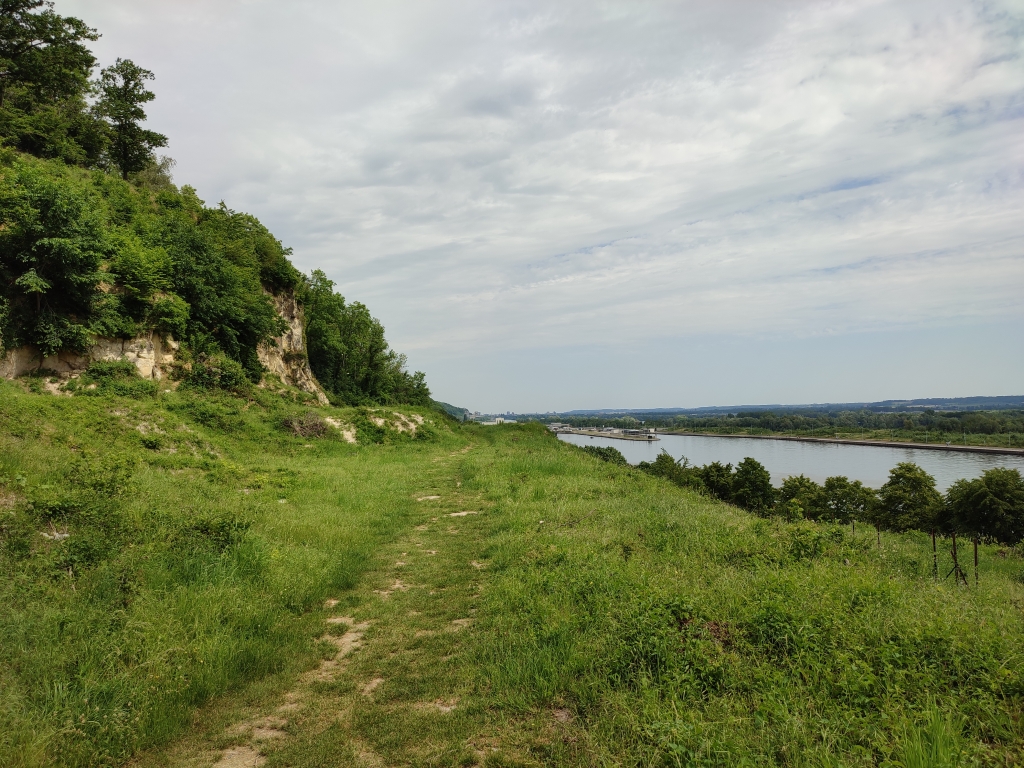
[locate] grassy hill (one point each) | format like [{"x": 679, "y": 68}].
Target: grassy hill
[{"x": 191, "y": 576}]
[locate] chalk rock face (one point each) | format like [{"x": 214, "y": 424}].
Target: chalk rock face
[
  {"x": 286, "y": 356},
  {"x": 150, "y": 354}
]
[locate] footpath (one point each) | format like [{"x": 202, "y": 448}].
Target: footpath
[{"x": 396, "y": 679}]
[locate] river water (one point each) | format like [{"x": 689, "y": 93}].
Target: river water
[{"x": 867, "y": 463}]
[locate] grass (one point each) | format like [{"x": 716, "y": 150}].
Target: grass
[{"x": 587, "y": 614}]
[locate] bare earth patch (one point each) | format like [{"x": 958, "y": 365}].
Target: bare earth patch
[
  {"x": 348, "y": 432},
  {"x": 462, "y": 514},
  {"x": 240, "y": 757},
  {"x": 428, "y": 498}
]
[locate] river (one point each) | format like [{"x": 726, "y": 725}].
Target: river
[{"x": 869, "y": 464}]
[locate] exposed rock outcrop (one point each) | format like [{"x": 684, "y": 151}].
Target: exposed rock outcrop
[
  {"x": 151, "y": 354},
  {"x": 286, "y": 356}
]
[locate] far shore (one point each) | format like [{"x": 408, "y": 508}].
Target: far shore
[{"x": 879, "y": 443}]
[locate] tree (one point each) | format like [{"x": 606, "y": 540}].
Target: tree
[
  {"x": 990, "y": 507},
  {"x": 123, "y": 92},
  {"x": 752, "y": 486},
  {"x": 799, "y": 496},
  {"x": 44, "y": 78},
  {"x": 717, "y": 478},
  {"x": 348, "y": 352},
  {"x": 908, "y": 500},
  {"x": 846, "y": 500}
]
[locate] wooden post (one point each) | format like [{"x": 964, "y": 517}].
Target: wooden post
[
  {"x": 878, "y": 535},
  {"x": 975, "y": 561},
  {"x": 935, "y": 558}
]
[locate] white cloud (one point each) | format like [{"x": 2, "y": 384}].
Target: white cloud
[{"x": 537, "y": 174}]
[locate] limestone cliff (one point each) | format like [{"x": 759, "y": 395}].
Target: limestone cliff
[
  {"x": 285, "y": 357},
  {"x": 151, "y": 354}
]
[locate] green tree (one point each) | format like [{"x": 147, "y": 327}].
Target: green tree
[
  {"x": 717, "y": 478},
  {"x": 799, "y": 496},
  {"x": 752, "y": 486},
  {"x": 51, "y": 247},
  {"x": 908, "y": 500},
  {"x": 846, "y": 500},
  {"x": 122, "y": 94},
  {"x": 990, "y": 507},
  {"x": 44, "y": 79},
  {"x": 348, "y": 352}
]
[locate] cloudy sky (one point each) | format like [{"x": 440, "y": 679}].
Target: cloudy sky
[{"x": 556, "y": 205}]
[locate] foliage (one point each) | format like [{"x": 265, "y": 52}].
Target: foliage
[
  {"x": 122, "y": 94},
  {"x": 217, "y": 371},
  {"x": 723, "y": 639},
  {"x": 609, "y": 454},
  {"x": 348, "y": 352},
  {"x": 752, "y": 487},
  {"x": 679, "y": 472},
  {"x": 907, "y": 501},
  {"x": 800, "y": 497},
  {"x": 990, "y": 506},
  {"x": 84, "y": 254},
  {"x": 47, "y": 64}
]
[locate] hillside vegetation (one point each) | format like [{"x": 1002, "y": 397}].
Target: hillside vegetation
[
  {"x": 515, "y": 601},
  {"x": 96, "y": 240}
]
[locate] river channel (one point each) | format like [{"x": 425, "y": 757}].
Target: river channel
[{"x": 867, "y": 463}]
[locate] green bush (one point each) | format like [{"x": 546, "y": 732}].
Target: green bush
[{"x": 218, "y": 372}]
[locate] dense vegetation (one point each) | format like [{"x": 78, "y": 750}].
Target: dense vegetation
[
  {"x": 990, "y": 507},
  {"x": 95, "y": 239}
]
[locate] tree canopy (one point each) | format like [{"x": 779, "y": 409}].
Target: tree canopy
[{"x": 84, "y": 253}]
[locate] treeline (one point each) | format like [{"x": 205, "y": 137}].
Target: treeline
[
  {"x": 933, "y": 425},
  {"x": 97, "y": 241},
  {"x": 945, "y": 422},
  {"x": 990, "y": 507}
]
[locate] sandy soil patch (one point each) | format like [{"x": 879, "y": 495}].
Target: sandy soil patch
[
  {"x": 348, "y": 432},
  {"x": 240, "y": 757},
  {"x": 462, "y": 514},
  {"x": 373, "y": 685}
]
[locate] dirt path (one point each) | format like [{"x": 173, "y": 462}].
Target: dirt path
[{"x": 395, "y": 686}]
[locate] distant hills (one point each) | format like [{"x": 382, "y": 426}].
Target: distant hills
[{"x": 1000, "y": 403}]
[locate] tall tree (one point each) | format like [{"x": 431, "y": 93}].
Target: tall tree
[
  {"x": 990, "y": 506},
  {"x": 122, "y": 94},
  {"x": 43, "y": 50},
  {"x": 752, "y": 486},
  {"x": 846, "y": 500},
  {"x": 908, "y": 500},
  {"x": 44, "y": 80}
]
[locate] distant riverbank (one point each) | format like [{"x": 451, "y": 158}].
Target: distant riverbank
[{"x": 847, "y": 441}]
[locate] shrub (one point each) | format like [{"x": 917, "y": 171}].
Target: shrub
[
  {"x": 309, "y": 424},
  {"x": 609, "y": 454},
  {"x": 218, "y": 372}
]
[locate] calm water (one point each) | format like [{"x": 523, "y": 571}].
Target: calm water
[{"x": 869, "y": 464}]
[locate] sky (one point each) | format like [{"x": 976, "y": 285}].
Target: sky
[{"x": 559, "y": 205}]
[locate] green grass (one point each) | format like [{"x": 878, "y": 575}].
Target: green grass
[
  {"x": 201, "y": 534},
  {"x": 588, "y": 614}
]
